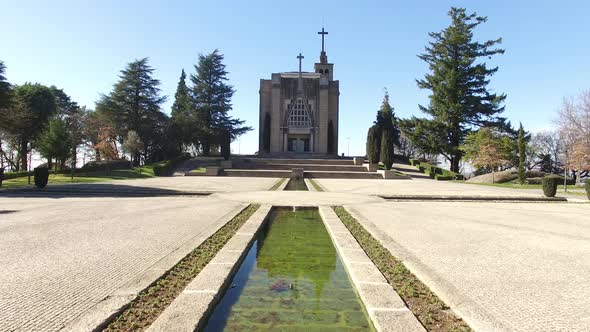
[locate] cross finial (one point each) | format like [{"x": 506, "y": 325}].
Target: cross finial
[
  {"x": 300, "y": 57},
  {"x": 323, "y": 33}
]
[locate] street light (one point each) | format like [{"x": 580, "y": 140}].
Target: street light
[{"x": 348, "y": 152}]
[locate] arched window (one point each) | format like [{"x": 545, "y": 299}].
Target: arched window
[
  {"x": 321, "y": 71},
  {"x": 298, "y": 114},
  {"x": 326, "y": 72}
]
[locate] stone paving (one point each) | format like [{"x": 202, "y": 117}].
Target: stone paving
[
  {"x": 501, "y": 266},
  {"x": 60, "y": 257}
]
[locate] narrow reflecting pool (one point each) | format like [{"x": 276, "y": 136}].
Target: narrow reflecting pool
[
  {"x": 296, "y": 184},
  {"x": 291, "y": 280}
]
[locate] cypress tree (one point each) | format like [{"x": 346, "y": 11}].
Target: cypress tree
[
  {"x": 460, "y": 100},
  {"x": 4, "y": 88},
  {"x": 185, "y": 128},
  {"x": 373, "y": 144},
  {"x": 387, "y": 148},
  {"x": 521, "y": 155}
]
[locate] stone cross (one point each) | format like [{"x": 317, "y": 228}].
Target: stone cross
[{"x": 323, "y": 33}]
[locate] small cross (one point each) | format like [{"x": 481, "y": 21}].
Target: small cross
[
  {"x": 300, "y": 57},
  {"x": 323, "y": 33}
]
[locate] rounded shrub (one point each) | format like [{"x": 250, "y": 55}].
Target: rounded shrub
[
  {"x": 41, "y": 176},
  {"x": 550, "y": 185}
]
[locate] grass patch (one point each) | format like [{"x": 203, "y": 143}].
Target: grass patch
[
  {"x": 434, "y": 314},
  {"x": 151, "y": 302},
  {"x": 277, "y": 184},
  {"x": 85, "y": 177},
  {"x": 316, "y": 185},
  {"x": 200, "y": 170},
  {"x": 571, "y": 189}
]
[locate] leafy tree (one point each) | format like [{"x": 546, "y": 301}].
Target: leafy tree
[
  {"x": 212, "y": 98},
  {"x": 521, "y": 155},
  {"x": 107, "y": 145},
  {"x": 28, "y": 114},
  {"x": 133, "y": 145},
  {"x": 134, "y": 104},
  {"x": 185, "y": 124},
  {"x": 55, "y": 141},
  {"x": 487, "y": 148},
  {"x": 460, "y": 100},
  {"x": 373, "y": 144}
]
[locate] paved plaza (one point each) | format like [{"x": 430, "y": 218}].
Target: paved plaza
[{"x": 501, "y": 266}]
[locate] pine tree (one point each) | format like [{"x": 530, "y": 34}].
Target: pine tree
[
  {"x": 134, "y": 104},
  {"x": 521, "y": 155},
  {"x": 459, "y": 100},
  {"x": 212, "y": 98}
]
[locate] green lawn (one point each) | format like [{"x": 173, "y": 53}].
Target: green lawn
[
  {"x": 88, "y": 177},
  {"x": 571, "y": 189}
]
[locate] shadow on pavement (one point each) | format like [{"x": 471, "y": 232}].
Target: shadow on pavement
[{"x": 95, "y": 190}]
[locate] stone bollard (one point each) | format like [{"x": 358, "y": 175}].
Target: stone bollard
[
  {"x": 373, "y": 167},
  {"x": 358, "y": 161},
  {"x": 297, "y": 173},
  {"x": 212, "y": 171}
]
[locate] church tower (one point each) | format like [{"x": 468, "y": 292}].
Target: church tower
[{"x": 299, "y": 110}]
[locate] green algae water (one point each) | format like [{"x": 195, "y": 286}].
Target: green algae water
[
  {"x": 292, "y": 279},
  {"x": 296, "y": 184}
]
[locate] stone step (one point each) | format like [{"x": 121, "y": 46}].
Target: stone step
[
  {"x": 306, "y": 167},
  {"x": 307, "y": 174},
  {"x": 259, "y": 161}
]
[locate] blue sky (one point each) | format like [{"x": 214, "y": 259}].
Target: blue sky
[{"x": 80, "y": 46}]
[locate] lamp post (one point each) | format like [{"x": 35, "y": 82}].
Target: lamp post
[{"x": 348, "y": 151}]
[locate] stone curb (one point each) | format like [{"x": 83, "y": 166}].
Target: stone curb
[
  {"x": 100, "y": 315},
  {"x": 283, "y": 185},
  {"x": 386, "y": 309},
  {"x": 190, "y": 310},
  {"x": 472, "y": 198},
  {"x": 472, "y": 314}
]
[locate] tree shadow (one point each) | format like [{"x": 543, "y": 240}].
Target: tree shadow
[{"x": 95, "y": 190}]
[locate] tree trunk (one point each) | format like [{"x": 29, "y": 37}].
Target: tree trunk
[
  {"x": 23, "y": 156},
  {"x": 455, "y": 163}
]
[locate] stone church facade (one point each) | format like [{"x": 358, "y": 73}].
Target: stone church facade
[{"x": 299, "y": 110}]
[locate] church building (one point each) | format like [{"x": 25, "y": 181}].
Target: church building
[{"x": 299, "y": 110}]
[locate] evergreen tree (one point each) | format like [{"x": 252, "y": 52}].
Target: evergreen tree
[
  {"x": 386, "y": 125},
  {"x": 460, "y": 101},
  {"x": 212, "y": 98},
  {"x": 185, "y": 125},
  {"x": 134, "y": 104},
  {"x": 521, "y": 155},
  {"x": 30, "y": 109},
  {"x": 55, "y": 141},
  {"x": 4, "y": 88},
  {"x": 386, "y": 155},
  {"x": 373, "y": 144}
]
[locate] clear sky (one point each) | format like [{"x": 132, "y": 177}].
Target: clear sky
[{"x": 80, "y": 46}]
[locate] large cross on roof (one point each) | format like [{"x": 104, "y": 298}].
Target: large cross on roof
[{"x": 323, "y": 33}]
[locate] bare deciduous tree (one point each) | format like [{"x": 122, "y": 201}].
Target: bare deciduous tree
[{"x": 574, "y": 131}]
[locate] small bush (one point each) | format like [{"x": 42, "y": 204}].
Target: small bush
[
  {"x": 550, "y": 185},
  {"x": 41, "y": 176},
  {"x": 165, "y": 168},
  {"x": 443, "y": 177}
]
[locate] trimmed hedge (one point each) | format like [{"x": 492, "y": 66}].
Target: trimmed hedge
[
  {"x": 550, "y": 185},
  {"x": 436, "y": 172},
  {"x": 102, "y": 165},
  {"x": 570, "y": 182},
  {"x": 165, "y": 168}
]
